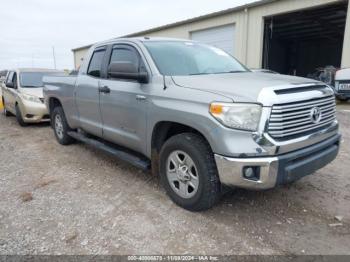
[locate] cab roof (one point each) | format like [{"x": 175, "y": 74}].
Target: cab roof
[{"x": 140, "y": 39}]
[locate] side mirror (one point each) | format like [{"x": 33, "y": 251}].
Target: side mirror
[
  {"x": 127, "y": 70},
  {"x": 10, "y": 85}
]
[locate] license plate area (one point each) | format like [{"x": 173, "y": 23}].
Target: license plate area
[{"x": 344, "y": 86}]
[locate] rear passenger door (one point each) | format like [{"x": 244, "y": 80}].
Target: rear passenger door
[
  {"x": 124, "y": 108},
  {"x": 87, "y": 94}
]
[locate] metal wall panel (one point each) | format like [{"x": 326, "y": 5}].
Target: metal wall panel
[
  {"x": 249, "y": 29},
  {"x": 222, "y": 37}
]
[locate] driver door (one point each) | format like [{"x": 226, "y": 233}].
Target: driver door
[
  {"x": 10, "y": 91},
  {"x": 124, "y": 107}
]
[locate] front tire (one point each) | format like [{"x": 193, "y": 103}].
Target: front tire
[
  {"x": 61, "y": 127},
  {"x": 188, "y": 172},
  {"x": 19, "y": 116}
]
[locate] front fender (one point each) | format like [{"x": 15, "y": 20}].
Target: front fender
[{"x": 190, "y": 107}]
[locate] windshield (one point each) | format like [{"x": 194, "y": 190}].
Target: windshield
[
  {"x": 175, "y": 58},
  {"x": 34, "y": 79}
]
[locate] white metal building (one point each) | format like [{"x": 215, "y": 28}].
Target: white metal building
[{"x": 289, "y": 36}]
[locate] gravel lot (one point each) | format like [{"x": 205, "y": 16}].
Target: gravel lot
[{"x": 77, "y": 200}]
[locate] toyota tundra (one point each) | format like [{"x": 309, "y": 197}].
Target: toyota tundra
[{"x": 193, "y": 114}]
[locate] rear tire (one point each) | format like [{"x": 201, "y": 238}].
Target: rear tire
[
  {"x": 5, "y": 112},
  {"x": 19, "y": 116},
  {"x": 188, "y": 172},
  {"x": 61, "y": 127}
]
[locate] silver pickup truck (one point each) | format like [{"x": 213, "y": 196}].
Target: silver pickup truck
[{"x": 195, "y": 116}]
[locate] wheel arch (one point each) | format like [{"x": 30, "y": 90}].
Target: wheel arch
[
  {"x": 164, "y": 130},
  {"x": 53, "y": 102}
]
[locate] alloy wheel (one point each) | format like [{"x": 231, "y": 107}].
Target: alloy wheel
[
  {"x": 59, "y": 126},
  {"x": 182, "y": 174}
]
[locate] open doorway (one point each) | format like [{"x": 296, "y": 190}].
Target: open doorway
[{"x": 302, "y": 42}]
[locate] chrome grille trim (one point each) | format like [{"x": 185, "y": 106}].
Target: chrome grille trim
[
  {"x": 299, "y": 113},
  {"x": 298, "y": 106},
  {"x": 294, "y": 119},
  {"x": 298, "y": 131},
  {"x": 297, "y": 122}
]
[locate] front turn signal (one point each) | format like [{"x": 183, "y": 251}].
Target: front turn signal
[{"x": 216, "y": 109}]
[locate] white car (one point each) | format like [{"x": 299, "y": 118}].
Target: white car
[
  {"x": 342, "y": 84},
  {"x": 22, "y": 95}
]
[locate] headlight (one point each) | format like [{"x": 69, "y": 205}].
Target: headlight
[
  {"x": 31, "y": 98},
  {"x": 336, "y": 85},
  {"x": 237, "y": 115}
]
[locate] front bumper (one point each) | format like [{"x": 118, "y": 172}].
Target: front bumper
[
  {"x": 277, "y": 170},
  {"x": 34, "y": 112},
  {"x": 343, "y": 94}
]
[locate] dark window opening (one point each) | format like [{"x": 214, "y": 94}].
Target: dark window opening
[
  {"x": 15, "y": 84},
  {"x": 307, "y": 42},
  {"x": 10, "y": 77},
  {"x": 125, "y": 55},
  {"x": 95, "y": 65}
]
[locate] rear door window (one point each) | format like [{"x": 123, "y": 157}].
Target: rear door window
[{"x": 96, "y": 61}]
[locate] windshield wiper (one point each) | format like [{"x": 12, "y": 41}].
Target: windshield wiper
[
  {"x": 30, "y": 86},
  {"x": 235, "y": 71},
  {"x": 196, "y": 74},
  {"x": 216, "y": 73}
]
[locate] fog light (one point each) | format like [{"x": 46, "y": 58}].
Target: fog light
[
  {"x": 248, "y": 172},
  {"x": 251, "y": 173}
]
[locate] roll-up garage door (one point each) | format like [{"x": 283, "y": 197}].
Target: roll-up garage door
[{"x": 222, "y": 37}]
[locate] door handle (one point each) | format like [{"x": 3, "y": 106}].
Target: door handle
[
  {"x": 140, "y": 98},
  {"x": 104, "y": 89}
]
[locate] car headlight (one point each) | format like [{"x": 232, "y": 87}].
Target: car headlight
[
  {"x": 336, "y": 85},
  {"x": 31, "y": 98},
  {"x": 237, "y": 115}
]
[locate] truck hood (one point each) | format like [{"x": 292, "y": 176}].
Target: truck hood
[
  {"x": 241, "y": 87},
  {"x": 37, "y": 91},
  {"x": 343, "y": 74}
]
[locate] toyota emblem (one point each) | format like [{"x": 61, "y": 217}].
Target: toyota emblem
[{"x": 316, "y": 115}]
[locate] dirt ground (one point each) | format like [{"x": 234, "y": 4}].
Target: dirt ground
[{"x": 77, "y": 200}]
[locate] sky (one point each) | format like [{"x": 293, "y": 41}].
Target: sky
[{"x": 31, "y": 31}]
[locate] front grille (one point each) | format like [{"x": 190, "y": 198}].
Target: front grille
[
  {"x": 292, "y": 120},
  {"x": 344, "y": 91}
]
